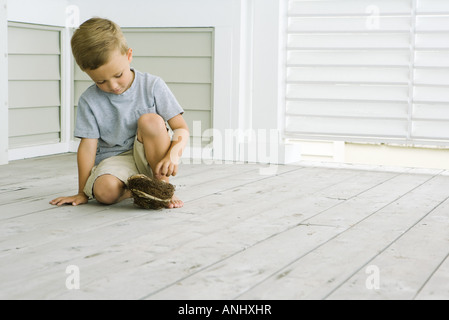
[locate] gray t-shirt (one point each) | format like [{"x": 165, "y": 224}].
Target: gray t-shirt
[{"x": 112, "y": 119}]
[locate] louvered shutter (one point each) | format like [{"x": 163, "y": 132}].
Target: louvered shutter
[
  {"x": 34, "y": 85},
  {"x": 368, "y": 70},
  {"x": 431, "y": 72}
]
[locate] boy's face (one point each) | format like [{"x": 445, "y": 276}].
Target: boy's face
[{"x": 115, "y": 76}]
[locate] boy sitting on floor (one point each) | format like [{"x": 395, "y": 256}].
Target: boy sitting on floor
[{"x": 121, "y": 120}]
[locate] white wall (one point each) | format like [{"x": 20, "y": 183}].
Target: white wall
[
  {"x": 3, "y": 83},
  {"x": 46, "y": 12}
]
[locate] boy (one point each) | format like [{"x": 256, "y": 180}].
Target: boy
[{"x": 121, "y": 120}]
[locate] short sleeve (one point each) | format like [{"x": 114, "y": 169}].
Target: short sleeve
[
  {"x": 86, "y": 126},
  {"x": 166, "y": 104}
]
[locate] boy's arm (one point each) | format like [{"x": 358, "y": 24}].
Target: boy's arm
[
  {"x": 168, "y": 166},
  {"x": 87, "y": 151},
  {"x": 86, "y": 161}
]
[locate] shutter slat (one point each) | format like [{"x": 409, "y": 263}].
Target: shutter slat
[
  {"x": 434, "y": 130},
  {"x": 351, "y": 57},
  {"x": 432, "y": 23},
  {"x": 348, "y": 92},
  {"x": 432, "y": 40},
  {"x": 432, "y": 6},
  {"x": 348, "y": 126},
  {"x": 376, "y": 109},
  {"x": 349, "y": 74},
  {"x": 348, "y": 24},
  {"x": 427, "y": 58},
  {"x": 345, "y": 7},
  {"x": 349, "y": 41},
  {"x": 432, "y": 76},
  {"x": 431, "y": 111}
]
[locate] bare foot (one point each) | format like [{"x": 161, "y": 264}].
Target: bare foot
[{"x": 175, "y": 203}]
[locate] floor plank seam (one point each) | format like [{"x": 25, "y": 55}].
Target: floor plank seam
[
  {"x": 329, "y": 240},
  {"x": 302, "y": 223},
  {"x": 238, "y": 186},
  {"x": 385, "y": 248},
  {"x": 430, "y": 276},
  {"x": 260, "y": 241}
]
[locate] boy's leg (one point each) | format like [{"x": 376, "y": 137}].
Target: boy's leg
[
  {"x": 152, "y": 133},
  {"x": 107, "y": 180},
  {"x": 108, "y": 189}
]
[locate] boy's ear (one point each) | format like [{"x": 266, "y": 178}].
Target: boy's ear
[{"x": 130, "y": 55}]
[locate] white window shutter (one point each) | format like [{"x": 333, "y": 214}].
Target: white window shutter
[
  {"x": 430, "y": 118},
  {"x": 370, "y": 70},
  {"x": 34, "y": 85}
]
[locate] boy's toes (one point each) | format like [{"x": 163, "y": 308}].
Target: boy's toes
[{"x": 175, "y": 203}]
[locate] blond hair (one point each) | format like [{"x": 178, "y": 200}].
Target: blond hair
[{"x": 94, "y": 41}]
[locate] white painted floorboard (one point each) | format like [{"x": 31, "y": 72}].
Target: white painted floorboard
[{"x": 309, "y": 231}]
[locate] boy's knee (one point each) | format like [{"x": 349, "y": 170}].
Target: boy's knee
[
  {"x": 151, "y": 124},
  {"x": 107, "y": 189}
]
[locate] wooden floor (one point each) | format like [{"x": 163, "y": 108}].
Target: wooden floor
[{"x": 304, "y": 232}]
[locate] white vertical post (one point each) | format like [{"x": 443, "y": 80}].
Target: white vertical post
[
  {"x": 268, "y": 78},
  {"x": 72, "y": 21},
  {"x": 411, "y": 83},
  {"x": 3, "y": 83},
  {"x": 246, "y": 64},
  {"x": 224, "y": 101}
]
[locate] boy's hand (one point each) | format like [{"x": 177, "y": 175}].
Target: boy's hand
[
  {"x": 75, "y": 200},
  {"x": 167, "y": 167}
]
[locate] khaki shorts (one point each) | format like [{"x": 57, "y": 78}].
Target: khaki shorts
[{"x": 121, "y": 166}]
